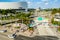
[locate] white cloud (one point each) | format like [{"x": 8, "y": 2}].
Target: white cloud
[
  {"x": 29, "y": 2},
  {"x": 55, "y": 0},
  {"x": 26, "y": 0},
  {"x": 44, "y": 0},
  {"x": 21, "y": 0},
  {"x": 46, "y": 3},
  {"x": 38, "y": 2}
]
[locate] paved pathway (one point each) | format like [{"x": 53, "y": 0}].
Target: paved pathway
[
  {"x": 20, "y": 37},
  {"x": 4, "y": 37},
  {"x": 45, "y": 30}
]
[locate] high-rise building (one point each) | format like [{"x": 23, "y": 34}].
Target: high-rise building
[{"x": 13, "y": 5}]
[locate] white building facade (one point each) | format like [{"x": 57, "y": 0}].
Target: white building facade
[
  {"x": 57, "y": 17},
  {"x": 13, "y": 5}
]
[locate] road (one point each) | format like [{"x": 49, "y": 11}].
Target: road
[
  {"x": 45, "y": 30},
  {"x": 20, "y": 37},
  {"x": 4, "y": 37}
]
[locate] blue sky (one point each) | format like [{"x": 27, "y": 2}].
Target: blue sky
[{"x": 38, "y": 3}]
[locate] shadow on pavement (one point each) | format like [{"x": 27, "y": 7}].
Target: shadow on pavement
[{"x": 20, "y": 37}]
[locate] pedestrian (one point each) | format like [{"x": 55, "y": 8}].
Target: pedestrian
[{"x": 57, "y": 29}]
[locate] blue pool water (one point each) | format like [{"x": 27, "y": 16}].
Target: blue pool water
[
  {"x": 40, "y": 18},
  {"x": 31, "y": 25}
]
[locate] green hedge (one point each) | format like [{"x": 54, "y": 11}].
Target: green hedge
[
  {"x": 55, "y": 22},
  {"x": 17, "y": 27}
]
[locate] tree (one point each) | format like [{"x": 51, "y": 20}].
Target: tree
[
  {"x": 54, "y": 11},
  {"x": 4, "y": 12}
]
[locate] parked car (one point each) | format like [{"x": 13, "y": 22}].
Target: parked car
[
  {"x": 12, "y": 36},
  {"x": 3, "y": 31}
]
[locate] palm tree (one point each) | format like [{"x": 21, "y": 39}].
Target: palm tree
[{"x": 54, "y": 11}]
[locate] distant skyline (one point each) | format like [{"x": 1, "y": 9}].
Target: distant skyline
[{"x": 38, "y": 3}]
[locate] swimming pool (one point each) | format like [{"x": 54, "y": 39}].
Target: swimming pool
[
  {"x": 32, "y": 25},
  {"x": 39, "y": 18}
]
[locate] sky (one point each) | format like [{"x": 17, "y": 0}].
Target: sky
[{"x": 38, "y": 3}]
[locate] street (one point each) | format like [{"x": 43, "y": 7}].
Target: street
[
  {"x": 20, "y": 37},
  {"x": 3, "y": 37}
]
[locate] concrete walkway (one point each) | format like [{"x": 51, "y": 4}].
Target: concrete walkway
[{"x": 45, "y": 30}]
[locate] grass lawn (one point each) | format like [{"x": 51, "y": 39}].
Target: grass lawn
[
  {"x": 59, "y": 29},
  {"x": 17, "y": 27}
]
